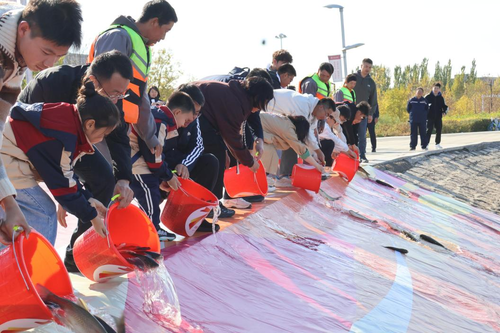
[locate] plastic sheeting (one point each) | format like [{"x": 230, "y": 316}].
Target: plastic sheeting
[
  {"x": 318, "y": 263},
  {"x": 308, "y": 264}
]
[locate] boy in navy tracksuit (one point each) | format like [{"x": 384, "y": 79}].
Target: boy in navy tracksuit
[
  {"x": 148, "y": 170},
  {"x": 417, "y": 108}
]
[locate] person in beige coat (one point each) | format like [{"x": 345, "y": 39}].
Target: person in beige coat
[{"x": 281, "y": 133}]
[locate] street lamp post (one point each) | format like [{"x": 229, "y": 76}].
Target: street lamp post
[
  {"x": 280, "y": 37},
  {"x": 344, "y": 48}
]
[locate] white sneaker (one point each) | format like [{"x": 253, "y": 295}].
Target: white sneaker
[
  {"x": 239, "y": 203},
  {"x": 271, "y": 180},
  {"x": 284, "y": 182},
  {"x": 271, "y": 188},
  {"x": 438, "y": 146}
]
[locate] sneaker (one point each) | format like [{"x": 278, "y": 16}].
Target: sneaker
[
  {"x": 254, "y": 198},
  {"x": 206, "y": 226},
  {"x": 69, "y": 263},
  {"x": 425, "y": 148},
  {"x": 271, "y": 188},
  {"x": 412, "y": 148},
  {"x": 224, "y": 212},
  {"x": 374, "y": 150},
  {"x": 284, "y": 182},
  {"x": 363, "y": 159},
  {"x": 165, "y": 236},
  {"x": 238, "y": 203},
  {"x": 438, "y": 146}
]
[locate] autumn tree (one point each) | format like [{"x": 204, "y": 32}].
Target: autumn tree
[{"x": 164, "y": 73}]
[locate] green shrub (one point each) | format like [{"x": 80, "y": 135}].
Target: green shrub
[{"x": 450, "y": 125}]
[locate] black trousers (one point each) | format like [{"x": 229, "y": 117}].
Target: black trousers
[
  {"x": 288, "y": 160},
  {"x": 97, "y": 175},
  {"x": 434, "y": 123},
  {"x": 418, "y": 128},
  {"x": 213, "y": 144},
  {"x": 205, "y": 171},
  {"x": 373, "y": 134},
  {"x": 327, "y": 147}
]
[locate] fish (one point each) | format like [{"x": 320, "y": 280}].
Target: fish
[
  {"x": 359, "y": 216},
  {"x": 384, "y": 183},
  {"x": 108, "y": 328},
  {"x": 69, "y": 314},
  {"x": 400, "y": 250},
  {"x": 142, "y": 260},
  {"x": 409, "y": 235},
  {"x": 327, "y": 196},
  {"x": 431, "y": 240}
]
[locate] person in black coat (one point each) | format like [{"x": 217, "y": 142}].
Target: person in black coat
[
  {"x": 437, "y": 109},
  {"x": 417, "y": 108}
]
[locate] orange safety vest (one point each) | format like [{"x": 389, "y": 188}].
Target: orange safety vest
[{"x": 141, "y": 62}]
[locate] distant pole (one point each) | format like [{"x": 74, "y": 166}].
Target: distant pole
[
  {"x": 344, "y": 47},
  {"x": 280, "y": 37},
  {"x": 344, "y": 51}
]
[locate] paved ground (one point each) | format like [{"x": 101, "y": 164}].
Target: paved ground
[
  {"x": 468, "y": 169},
  {"x": 391, "y": 148}
]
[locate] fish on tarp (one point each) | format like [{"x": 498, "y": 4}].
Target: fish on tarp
[
  {"x": 409, "y": 235},
  {"x": 69, "y": 314},
  {"x": 431, "y": 240},
  {"x": 384, "y": 183},
  {"x": 361, "y": 217},
  {"x": 398, "y": 249}
]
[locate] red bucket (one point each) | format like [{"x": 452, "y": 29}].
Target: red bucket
[
  {"x": 346, "y": 166},
  {"x": 306, "y": 176},
  {"x": 21, "y": 308},
  {"x": 187, "y": 207},
  {"x": 240, "y": 181},
  {"x": 98, "y": 259}
]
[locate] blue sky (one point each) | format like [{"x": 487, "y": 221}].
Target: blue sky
[{"x": 212, "y": 37}]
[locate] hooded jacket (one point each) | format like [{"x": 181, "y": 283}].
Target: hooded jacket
[
  {"x": 118, "y": 39},
  {"x": 42, "y": 142},
  {"x": 437, "y": 105}
]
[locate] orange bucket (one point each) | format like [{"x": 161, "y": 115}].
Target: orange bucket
[
  {"x": 240, "y": 181},
  {"x": 187, "y": 207},
  {"x": 25, "y": 264},
  {"x": 346, "y": 166},
  {"x": 98, "y": 259},
  {"x": 306, "y": 176}
]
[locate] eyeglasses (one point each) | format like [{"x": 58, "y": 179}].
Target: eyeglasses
[{"x": 119, "y": 96}]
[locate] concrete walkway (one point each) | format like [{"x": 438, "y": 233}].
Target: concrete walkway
[{"x": 390, "y": 148}]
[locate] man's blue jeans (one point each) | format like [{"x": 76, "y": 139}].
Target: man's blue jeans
[{"x": 39, "y": 210}]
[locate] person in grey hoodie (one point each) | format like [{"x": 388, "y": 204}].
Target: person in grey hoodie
[{"x": 366, "y": 91}]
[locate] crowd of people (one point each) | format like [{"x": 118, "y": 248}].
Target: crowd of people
[{"x": 93, "y": 131}]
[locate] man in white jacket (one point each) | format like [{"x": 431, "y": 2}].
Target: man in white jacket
[{"x": 291, "y": 103}]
